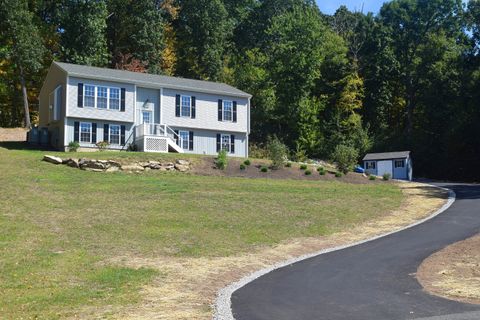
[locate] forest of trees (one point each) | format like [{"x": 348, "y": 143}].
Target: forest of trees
[{"x": 407, "y": 78}]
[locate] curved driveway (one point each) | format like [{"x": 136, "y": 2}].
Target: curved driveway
[{"x": 371, "y": 281}]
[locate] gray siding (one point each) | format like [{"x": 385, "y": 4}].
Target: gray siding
[
  {"x": 92, "y": 113},
  {"x": 206, "y": 112},
  {"x": 70, "y": 131},
  {"x": 205, "y": 142},
  {"x": 55, "y": 77},
  {"x": 153, "y": 104}
]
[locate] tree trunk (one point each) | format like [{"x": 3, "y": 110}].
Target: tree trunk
[{"x": 28, "y": 124}]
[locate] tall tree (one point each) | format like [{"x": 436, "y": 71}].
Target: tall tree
[{"x": 23, "y": 45}]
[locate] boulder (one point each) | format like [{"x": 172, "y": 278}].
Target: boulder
[
  {"x": 133, "y": 167},
  {"x": 93, "y": 164},
  {"x": 93, "y": 169},
  {"x": 52, "y": 159},
  {"x": 112, "y": 163},
  {"x": 144, "y": 164},
  {"x": 73, "y": 163},
  {"x": 183, "y": 162},
  {"x": 112, "y": 169},
  {"x": 182, "y": 168}
]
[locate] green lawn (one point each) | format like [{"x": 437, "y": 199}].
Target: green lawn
[{"x": 58, "y": 225}]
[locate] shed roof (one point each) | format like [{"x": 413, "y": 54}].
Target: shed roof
[
  {"x": 151, "y": 79},
  {"x": 387, "y": 155}
]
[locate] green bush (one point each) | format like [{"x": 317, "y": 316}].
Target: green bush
[
  {"x": 308, "y": 172},
  {"x": 372, "y": 177},
  {"x": 102, "y": 145},
  {"x": 303, "y": 167},
  {"x": 386, "y": 176},
  {"x": 264, "y": 169},
  {"x": 277, "y": 152},
  {"x": 242, "y": 166},
  {"x": 321, "y": 171},
  {"x": 247, "y": 162},
  {"x": 288, "y": 165},
  {"x": 257, "y": 151},
  {"x": 345, "y": 158},
  {"x": 222, "y": 160},
  {"x": 73, "y": 146},
  {"x": 338, "y": 174}
]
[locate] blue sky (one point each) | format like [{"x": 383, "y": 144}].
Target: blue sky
[{"x": 330, "y": 6}]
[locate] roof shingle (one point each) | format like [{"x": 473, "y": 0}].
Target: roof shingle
[{"x": 387, "y": 155}]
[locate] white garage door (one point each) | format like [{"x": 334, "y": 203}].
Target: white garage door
[{"x": 385, "y": 167}]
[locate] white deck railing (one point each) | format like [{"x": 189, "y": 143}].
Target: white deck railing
[{"x": 156, "y": 130}]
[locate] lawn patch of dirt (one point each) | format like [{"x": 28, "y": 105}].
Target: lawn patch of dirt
[
  {"x": 454, "y": 272},
  {"x": 189, "y": 286}
]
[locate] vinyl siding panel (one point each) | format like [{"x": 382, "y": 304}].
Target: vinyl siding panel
[
  {"x": 206, "y": 112},
  {"x": 205, "y": 142},
  {"x": 100, "y": 114},
  {"x": 153, "y": 104},
  {"x": 70, "y": 131}
]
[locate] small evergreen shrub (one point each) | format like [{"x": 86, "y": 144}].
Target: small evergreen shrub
[
  {"x": 242, "y": 167},
  {"x": 386, "y": 176},
  {"x": 345, "y": 158},
  {"x": 321, "y": 171},
  {"x": 222, "y": 160},
  {"x": 308, "y": 172},
  {"x": 247, "y": 162},
  {"x": 338, "y": 174},
  {"x": 73, "y": 146},
  {"x": 102, "y": 145},
  {"x": 372, "y": 178},
  {"x": 303, "y": 167},
  {"x": 264, "y": 169},
  {"x": 288, "y": 165},
  {"x": 277, "y": 152}
]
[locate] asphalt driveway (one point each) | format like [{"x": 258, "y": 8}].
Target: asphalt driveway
[{"x": 372, "y": 281}]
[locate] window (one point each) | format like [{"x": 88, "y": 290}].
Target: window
[
  {"x": 86, "y": 132},
  {"x": 370, "y": 165},
  {"x": 102, "y": 97},
  {"x": 399, "y": 164},
  {"x": 146, "y": 117},
  {"x": 227, "y": 110},
  {"x": 185, "y": 106},
  {"x": 89, "y": 96},
  {"x": 114, "y": 103},
  {"x": 183, "y": 139},
  {"x": 114, "y": 134},
  {"x": 226, "y": 142}
]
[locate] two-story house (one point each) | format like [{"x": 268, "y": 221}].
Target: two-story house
[{"x": 152, "y": 112}]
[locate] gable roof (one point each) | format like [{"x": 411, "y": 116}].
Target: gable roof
[
  {"x": 387, "y": 155},
  {"x": 150, "y": 79}
]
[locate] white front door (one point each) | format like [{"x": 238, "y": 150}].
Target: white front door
[{"x": 385, "y": 167}]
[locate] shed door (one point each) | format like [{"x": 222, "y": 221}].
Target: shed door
[{"x": 385, "y": 167}]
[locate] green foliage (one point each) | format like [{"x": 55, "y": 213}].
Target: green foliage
[
  {"x": 264, "y": 169},
  {"x": 386, "y": 176},
  {"x": 321, "y": 171},
  {"x": 288, "y": 164},
  {"x": 277, "y": 152},
  {"x": 242, "y": 166},
  {"x": 247, "y": 162},
  {"x": 73, "y": 146},
  {"x": 222, "y": 160},
  {"x": 258, "y": 151},
  {"x": 303, "y": 167},
  {"x": 372, "y": 177},
  {"x": 345, "y": 157},
  {"x": 338, "y": 174},
  {"x": 102, "y": 145},
  {"x": 308, "y": 172}
]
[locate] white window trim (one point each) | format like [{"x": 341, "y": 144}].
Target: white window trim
[
  {"x": 187, "y": 147},
  {"x": 110, "y": 134},
  {"x": 80, "y": 132},
  {"x": 229, "y": 142},
  {"x": 223, "y": 111},
  {"x": 181, "y": 109},
  {"x": 95, "y": 97},
  {"x": 395, "y": 164},
  {"x": 151, "y": 116},
  {"x": 371, "y": 164}
]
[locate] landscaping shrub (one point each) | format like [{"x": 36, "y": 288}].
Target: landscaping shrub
[
  {"x": 242, "y": 166},
  {"x": 247, "y": 162},
  {"x": 222, "y": 160},
  {"x": 338, "y": 174},
  {"x": 303, "y": 167},
  {"x": 372, "y": 178},
  {"x": 321, "y": 171},
  {"x": 345, "y": 158},
  {"x": 288, "y": 165},
  {"x": 386, "y": 176},
  {"x": 308, "y": 172},
  {"x": 264, "y": 169},
  {"x": 257, "y": 151},
  {"x": 102, "y": 145},
  {"x": 73, "y": 146},
  {"x": 277, "y": 152}
]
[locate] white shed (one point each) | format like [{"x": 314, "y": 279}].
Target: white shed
[{"x": 397, "y": 164}]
